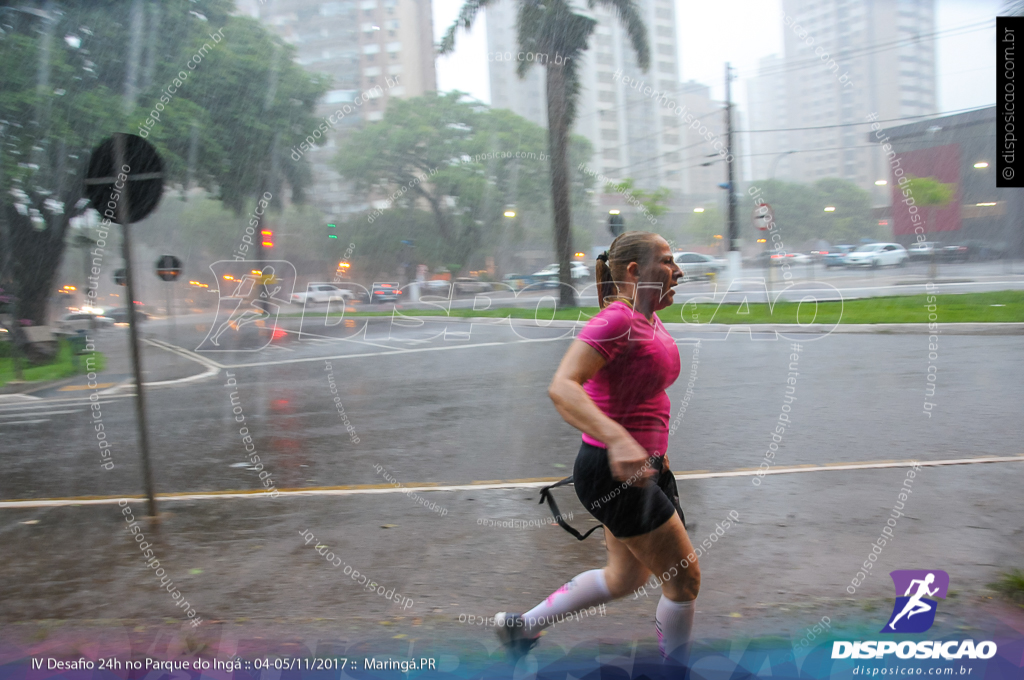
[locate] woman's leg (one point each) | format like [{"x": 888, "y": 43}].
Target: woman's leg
[
  {"x": 668, "y": 553},
  {"x": 623, "y": 574}
]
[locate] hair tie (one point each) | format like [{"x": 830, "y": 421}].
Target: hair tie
[{"x": 603, "y": 257}]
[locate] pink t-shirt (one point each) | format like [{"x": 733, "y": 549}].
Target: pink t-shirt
[{"x": 642, "y": 361}]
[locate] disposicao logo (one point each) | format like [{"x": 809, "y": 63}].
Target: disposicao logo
[
  {"x": 914, "y": 612},
  {"x": 917, "y": 586}
]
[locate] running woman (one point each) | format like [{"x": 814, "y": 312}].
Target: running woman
[{"x": 611, "y": 385}]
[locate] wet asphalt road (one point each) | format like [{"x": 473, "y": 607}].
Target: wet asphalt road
[
  {"x": 464, "y": 410},
  {"x": 461, "y": 414}
]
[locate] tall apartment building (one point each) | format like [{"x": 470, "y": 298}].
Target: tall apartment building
[
  {"x": 844, "y": 60},
  {"x": 705, "y": 166},
  {"x": 361, "y": 44}
]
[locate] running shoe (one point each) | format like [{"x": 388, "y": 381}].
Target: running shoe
[{"x": 511, "y": 631}]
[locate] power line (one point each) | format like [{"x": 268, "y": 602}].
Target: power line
[
  {"x": 831, "y": 148},
  {"x": 869, "y": 122}
]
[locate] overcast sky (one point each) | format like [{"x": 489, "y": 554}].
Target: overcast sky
[{"x": 743, "y": 31}]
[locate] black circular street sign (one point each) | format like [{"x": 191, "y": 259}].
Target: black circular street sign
[
  {"x": 138, "y": 182},
  {"x": 168, "y": 268},
  {"x": 121, "y": 276}
]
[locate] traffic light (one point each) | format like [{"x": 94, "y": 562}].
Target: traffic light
[
  {"x": 331, "y": 234},
  {"x": 268, "y": 238},
  {"x": 616, "y": 222}
]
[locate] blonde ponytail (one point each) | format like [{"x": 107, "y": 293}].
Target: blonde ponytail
[{"x": 631, "y": 246}]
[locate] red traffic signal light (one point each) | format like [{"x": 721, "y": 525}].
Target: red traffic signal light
[{"x": 268, "y": 238}]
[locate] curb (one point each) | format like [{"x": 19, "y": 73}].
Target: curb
[
  {"x": 30, "y": 386},
  {"x": 1002, "y": 328}
]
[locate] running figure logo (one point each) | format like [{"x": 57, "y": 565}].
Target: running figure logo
[
  {"x": 251, "y": 293},
  {"x": 914, "y": 612}
]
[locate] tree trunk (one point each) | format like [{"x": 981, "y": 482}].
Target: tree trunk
[
  {"x": 933, "y": 267},
  {"x": 558, "y": 143},
  {"x": 36, "y": 257}
]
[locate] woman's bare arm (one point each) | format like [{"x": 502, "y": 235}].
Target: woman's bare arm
[{"x": 579, "y": 364}]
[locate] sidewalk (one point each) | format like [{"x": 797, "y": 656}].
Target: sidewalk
[
  {"x": 785, "y": 563},
  {"x": 158, "y": 364}
]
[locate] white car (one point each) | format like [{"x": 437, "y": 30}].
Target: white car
[
  {"x": 794, "y": 258},
  {"x": 698, "y": 265},
  {"x": 83, "y": 321},
  {"x": 577, "y": 270},
  {"x": 322, "y": 293},
  {"x": 878, "y": 255}
]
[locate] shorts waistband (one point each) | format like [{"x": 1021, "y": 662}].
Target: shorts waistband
[{"x": 658, "y": 462}]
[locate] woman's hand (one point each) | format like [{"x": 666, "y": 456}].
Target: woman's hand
[{"x": 629, "y": 461}]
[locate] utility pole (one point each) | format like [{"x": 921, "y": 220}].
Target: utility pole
[{"x": 730, "y": 161}]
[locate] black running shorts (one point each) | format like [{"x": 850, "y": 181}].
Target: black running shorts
[{"x": 624, "y": 510}]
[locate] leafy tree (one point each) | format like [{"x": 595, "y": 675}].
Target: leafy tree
[
  {"x": 656, "y": 202},
  {"x": 930, "y": 193},
  {"x": 461, "y": 161},
  {"x": 553, "y": 29},
  {"x": 101, "y": 67},
  {"x": 703, "y": 227},
  {"x": 800, "y": 215}
]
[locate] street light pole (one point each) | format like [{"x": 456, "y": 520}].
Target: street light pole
[{"x": 730, "y": 160}]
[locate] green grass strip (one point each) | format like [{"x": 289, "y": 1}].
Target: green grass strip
[
  {"x": 64, "y": 365},
  {"x": 1001, "y": 306}
]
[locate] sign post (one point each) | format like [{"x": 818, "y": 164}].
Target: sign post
[{"x": 124, "y": 183}]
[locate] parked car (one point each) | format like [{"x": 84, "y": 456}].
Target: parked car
[
  {"x": 836, "y": 256},
  {"x": 83, "y": 321},
  {"x": 517, "y": 281},
  {"x": 791, "y": 258},
  {"x": 878, "y": 255},
  {"x": 777, "y": 259},
  {"x": 973, "y": 251},
  {"x": 544, "y": 279},
  {"x": 982, "y": 250},
  {"x": 469, "y": 285},
  {"x": 955, "y": 253},
  {"x": 385, "y": 292},
  {"x": 322, "y": 293},
  {"x": 924, "y": 250},
  {"x": 760, "y": 260},
  {"x": 436, "y": 287},
  {"x": 698, "y": 265}
]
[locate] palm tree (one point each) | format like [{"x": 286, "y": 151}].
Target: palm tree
[{"x": 554, "y": 29}]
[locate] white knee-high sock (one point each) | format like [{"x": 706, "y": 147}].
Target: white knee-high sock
[
  {"x": 586, "y": 590},
  {"x": 674, "y": 621}
]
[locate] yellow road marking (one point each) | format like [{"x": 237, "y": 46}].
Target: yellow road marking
[
  {"x": 72, "y": 388},
  {"x": 534, "y": 483}
]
